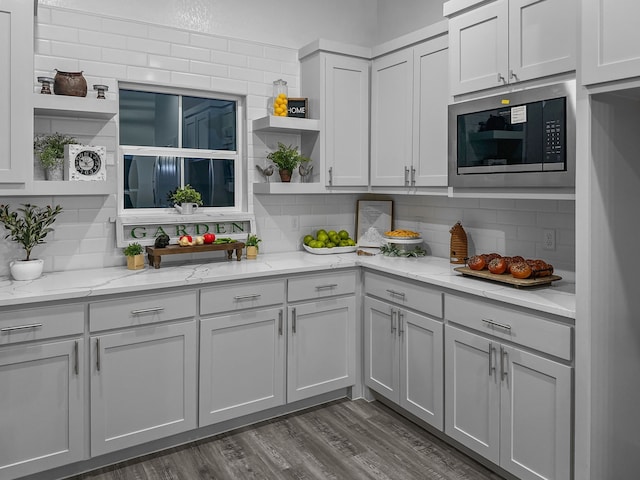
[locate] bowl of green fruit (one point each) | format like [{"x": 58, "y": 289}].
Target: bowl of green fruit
[{"x": 329, "y": 242}]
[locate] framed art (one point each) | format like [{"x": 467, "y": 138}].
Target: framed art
[{"x": 373, "y": 218}]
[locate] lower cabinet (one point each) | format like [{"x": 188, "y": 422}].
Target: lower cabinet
[
  {"x": 41, "y": 406},
  {"x": 321, "y": 347},
  {"x": 403, "y": 359},
  {"x": 242, "y": 364},
  {"x": 511, "y": 406},
  {"x": 143, "y": 385}
]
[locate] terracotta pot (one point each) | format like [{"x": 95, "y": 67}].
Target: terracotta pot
[
  {"x": 70, "y": 83},
  {"x": 135, "y": 262},
  {"x": 285, "y": 175},
  {"x": 252, "y": 252}
]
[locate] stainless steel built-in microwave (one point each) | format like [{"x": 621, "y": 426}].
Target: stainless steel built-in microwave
[{"x": 521, "y": 139}]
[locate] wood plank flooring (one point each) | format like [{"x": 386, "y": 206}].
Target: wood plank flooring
[{"x": 345, "y": 439}]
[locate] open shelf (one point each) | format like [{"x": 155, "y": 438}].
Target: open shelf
[
  {"x": 68, "y": 106},
  {"x": 288, "y": 188},
  {"x": 46, "y": 187},
  {"x": 285, "y": 124}
]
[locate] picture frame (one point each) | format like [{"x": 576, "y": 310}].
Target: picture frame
[
  {"x": 297, "y": 108},
  {"x": 373, "y": 219}
]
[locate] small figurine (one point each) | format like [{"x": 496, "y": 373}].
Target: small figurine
[
  {"x": 266, "y": 172},
  {"x": 162, "y": 241},
  {"x": 305, "y": 171}
]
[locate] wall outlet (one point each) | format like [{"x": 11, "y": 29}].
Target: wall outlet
[{"x": 549, "y": 239}]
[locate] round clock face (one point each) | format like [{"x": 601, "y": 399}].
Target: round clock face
[{"x": 88, "y": 162}]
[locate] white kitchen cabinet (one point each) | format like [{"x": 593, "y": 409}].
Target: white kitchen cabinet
[
  {"x": 337, "y": 88},
  {"x": 610, "y": 40},
  {"x": 143, "y": 369},
  {"x": 42, "y": 381},
  {"x": 403, "y": 359},
  {"x": 242, "y": 364},
  {"x": 510, "y": 406},
  {"x": 508, "y": 41},
  {"x": 409, "y": 116},
  {"x": 16, "y": 83}
]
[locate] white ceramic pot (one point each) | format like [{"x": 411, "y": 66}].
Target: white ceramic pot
[
  {"x": 26, "y": 269},
  {"x": 186, "y": 208}
]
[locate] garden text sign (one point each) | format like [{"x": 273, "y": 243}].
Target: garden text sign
[{"x": 140, "y": 232}]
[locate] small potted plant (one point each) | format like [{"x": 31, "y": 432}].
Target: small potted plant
[
  {"x": 286, "y": 158},
  {"x": 186, "y": 199},
  {"x": 28, "y": 226},
  {"x": 135, "y": 256},
  {"x": 252, "y": 246},
  {"x": 50, "y": 151}
]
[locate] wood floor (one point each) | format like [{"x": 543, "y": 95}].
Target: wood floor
[{"x": 342, "y": 440}]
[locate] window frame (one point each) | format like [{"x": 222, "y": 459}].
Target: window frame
[{"x": 239, "y": 155}]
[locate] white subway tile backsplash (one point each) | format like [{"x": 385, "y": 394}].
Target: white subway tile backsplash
[
  {"x": 75, "y": 51},
  {"x": 125, "y": 28},
  {"x": 166, "y": 34},
  {"x": 264, "y": 65},
  {"x": 104, "y": 69},
  {"x": 190, "y": 52},
  {"x": 124, "y": 57},
  {"x": 190, "y": 80},
  {"x": 211, "y": 69},
  {"x": 58, "y": 33},
  {"x": 42, "y": 47},
  {"x": 237, "y": 73},
  {"x": 283, "y": 54},
  {"x": 49, "y": 64},
  {"x": 148, "y": 46},
  {"x": 102, "y": 39},
  {"x": 248, "y": 49},
  {"x": 138, "y": 74},
  {"x": 168, "y": 63},
  {"x": 229, "y": 59},
  {"x": 229, "y": 86},
  {"x": 208, "y": 41},
  {"x": 74, "y": 19}
]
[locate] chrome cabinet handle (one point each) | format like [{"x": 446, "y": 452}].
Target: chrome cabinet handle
[
  {"x": 504, "y": 372},
  {"x": 147, "y": 310},
  {"x": 76, "y": 368},
  {"x": 98, "y": 353},
  {"x": 293, "y": 320},
  {"x": 325, "y": 287},
  {"x": 280, "y": 322},
  {"x": 492, "y": 367},
  {"x": 395, "y": 294},
  {"x": 330, "y": 175},
  {"x": 393, "y": 321},
  {"x": 501, "y": 79},
  {"x": 512, "y": 75},
  {"x": 406, "y": 175},
  {"x": 496, "y": 324},
  {"x": 20, "y": 327},
  {"x": 413, "y": 176},
  {"x": 247, "y": 297},
  {"x": 400, "y": 323}
]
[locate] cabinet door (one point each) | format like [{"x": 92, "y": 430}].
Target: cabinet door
[
  {"x": 381, "y": 349},
  {"x": 421, "y": 367},
  {"x": 346, "y": 126},
  {"x": 472, "y": 392},
  {"x": 535, "y": 416},
  {"x": 391, "y": 116},
  {"x": 431, "y": 86},
  {"x": 242, "y": 364},
  {"x": 42, "y": 408},
  {"x": 478, "y": 48},
  {"x": 143, "y": 385},
  {"x": 542, "y": 38},
  {"x": 610, "y": 40},
  {"x": 321, "y": 347},
  {"x": 16, "y": 73}
]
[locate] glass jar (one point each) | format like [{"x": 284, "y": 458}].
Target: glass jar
[{"x": 279, "y": 101}]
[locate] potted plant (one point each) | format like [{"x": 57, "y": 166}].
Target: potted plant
[
  {"x": 286, "y": 158},
  {"x": 28, "y": 226},
  {"x": 50, "y": 151},
  {"x": 135, "y": 256},
  {"x": 186, "y": 199},
  {"x": 252, "y": 246}
]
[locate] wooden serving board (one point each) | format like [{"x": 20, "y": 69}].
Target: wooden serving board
[
  {"x": 155, "y": 253},
  {"x": 508, "y": 279}
]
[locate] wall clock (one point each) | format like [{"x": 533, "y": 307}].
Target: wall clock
[{"x": 85, "y": 162}]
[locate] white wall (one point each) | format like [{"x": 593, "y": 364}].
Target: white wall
[{"x": 398, "y": 17}]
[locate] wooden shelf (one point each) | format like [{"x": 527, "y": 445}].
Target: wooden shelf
[
  {"x": 67, "y": 106},
  {"x": 155, "y": 253},
  {"x": 285, "y": 124}
]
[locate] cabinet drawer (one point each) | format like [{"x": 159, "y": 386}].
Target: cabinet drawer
[
  {"x": 40, "y": 323},
  {"x": 417, "y": 296},
  {"x": 240, "y": 296},
  {"x": 310, "y": 287},
  {"x": 522, "y": 328},
  {"x": 141, "y": 310}
]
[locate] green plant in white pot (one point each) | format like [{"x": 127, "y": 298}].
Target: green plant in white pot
[
  {"x": 50, "y": 151},
  {"x": 28, "y": 226},
  {"x": 186, "y": 199}
]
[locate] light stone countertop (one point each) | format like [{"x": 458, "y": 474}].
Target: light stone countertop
[{"x": 557, "y": 299}]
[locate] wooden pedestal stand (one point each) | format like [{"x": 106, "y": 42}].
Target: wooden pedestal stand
[{"x": 155, "y": 254}]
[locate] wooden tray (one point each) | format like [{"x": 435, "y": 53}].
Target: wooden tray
[
  {"x": 155, "y": 254},
  {"x": 508, "y": 279}
]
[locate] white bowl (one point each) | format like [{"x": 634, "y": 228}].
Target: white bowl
[{"x": 329, "y": 251}]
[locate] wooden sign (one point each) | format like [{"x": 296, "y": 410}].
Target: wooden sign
[{"x": 297, "y": 108}]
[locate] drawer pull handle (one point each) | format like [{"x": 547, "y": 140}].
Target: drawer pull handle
[
  {"x": 20, "y": 327},
  {"x": 504, "y": 372},
  {"x": 76, "y": 367},
  {"x": 325, "y": 287},
  {"x": 98, "y": 354},
  {"x": 396, "y": 294},
  {"x": 400, "y": 323},
  {"x": 147, "y": 310},
  {"x": 492, "y": 367},
  {"x": 496, "y": 324},
  {"x": 293, "y": 320},
  {"x": 393, "y": 321},
  {"x": 247, "y": 297},
  {"x": 280, "y": 322}
]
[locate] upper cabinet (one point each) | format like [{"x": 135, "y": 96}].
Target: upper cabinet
[
  {"x": 509, "y": 41},
  {"x": 610, "y": 40},
  {"x": 409, "y": 116},
  {"x": 16, "y": 74},
  {"x": 337, "y": 87}
]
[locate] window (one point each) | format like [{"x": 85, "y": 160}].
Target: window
[{"x": 169, "y": 140}]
